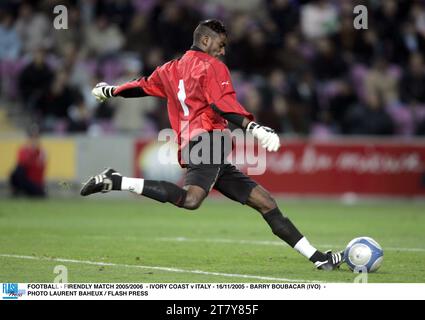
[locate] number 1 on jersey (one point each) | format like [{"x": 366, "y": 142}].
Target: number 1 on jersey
[{"x": 182, "y": 96}]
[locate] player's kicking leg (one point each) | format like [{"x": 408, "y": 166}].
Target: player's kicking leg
[
  {"x": 239, "y": 187},
  {"x": 229, "y": 181},
  {"x": 190, "y": 197},
  {"x": 282, "y": 227}
]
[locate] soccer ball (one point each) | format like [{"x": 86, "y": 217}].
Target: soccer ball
[{"x": 363, "y": 254}]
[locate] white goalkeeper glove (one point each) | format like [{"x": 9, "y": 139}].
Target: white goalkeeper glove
[
  {"x": 103, "y": 91},
  {"x": 268, "y": 138}
]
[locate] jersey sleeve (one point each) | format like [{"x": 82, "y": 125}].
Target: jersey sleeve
[
  {"x": 144, "y": 86},
  {"x": 220, "y": 92}
]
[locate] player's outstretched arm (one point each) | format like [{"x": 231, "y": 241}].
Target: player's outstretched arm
[{"x": 137, "y": 88}]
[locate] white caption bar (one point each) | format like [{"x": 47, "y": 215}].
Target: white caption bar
[{"x": 210, "y": 291}]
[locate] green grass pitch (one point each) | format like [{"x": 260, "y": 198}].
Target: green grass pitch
[{"x": 109, "y": 240}]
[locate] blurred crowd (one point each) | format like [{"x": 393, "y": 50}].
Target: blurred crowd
[{"x": 299, "y": 66}]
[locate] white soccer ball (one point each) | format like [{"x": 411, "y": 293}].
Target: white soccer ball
[{"x": 363, "y": 254}]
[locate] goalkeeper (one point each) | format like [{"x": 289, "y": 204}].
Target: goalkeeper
[{"x": 201, "y": 99}]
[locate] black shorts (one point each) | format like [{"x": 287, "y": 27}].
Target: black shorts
[{"x": 225, "y": 178}]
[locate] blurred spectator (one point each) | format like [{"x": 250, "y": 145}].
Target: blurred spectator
[
  {"x": 27, "y": 178},
  {"x": 304, "y": 92},
  {"x": 276, "y": 115},
  {"x": 253, "y": 101},
  {"x": 412, "y": 84},
  {"x": 80, "y": 71},
  {"x": 298, "y": 115},
  {"x": 138, "y": 36},
  {"x": 408, "y": 41},
  {"x": 238, "y": 26},
  {"x": 129, "y": 115},
  {"x": 418, "y": 15},
  {"x": 387, "y": 19},
  {"x": 35, "y": 79},
  {"x": 291, "y": 58},
  {"x": 258, "y": 56},
  {"x": 368, "y": 47},
  {"x": 369, "y": 118},
  {"x": 55, "y": 104},
  {"x": 173, "y": 27},
  {"x": 347, "y": 39},
  {"x": 103, "y": 39},
  {"x": 119, "y": 12},
  {"x": 341, "y": 102},
  {"x": 153, "y": 58},
  {"x": 318, "y": 19},
  {"x": 277, "y": 83},
  {"x": 420, "y": 129},
  {"x": 10, "y": 43},
  {"x": 382, "y": 80},
  {"x": 284, "y": 15},
  {"x": 328, "y": 63},
  {"x": 33, "y": 28}
]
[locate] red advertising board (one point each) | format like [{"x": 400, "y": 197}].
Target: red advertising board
[
  {"x": 364, "y": 167},
  {"x": 331, "y": 168}
]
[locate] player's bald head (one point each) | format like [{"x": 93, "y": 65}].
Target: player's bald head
[{"x": 210, "y": 28}]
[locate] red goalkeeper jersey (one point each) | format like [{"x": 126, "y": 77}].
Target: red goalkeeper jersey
[{"x": 191, "y": 85}]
